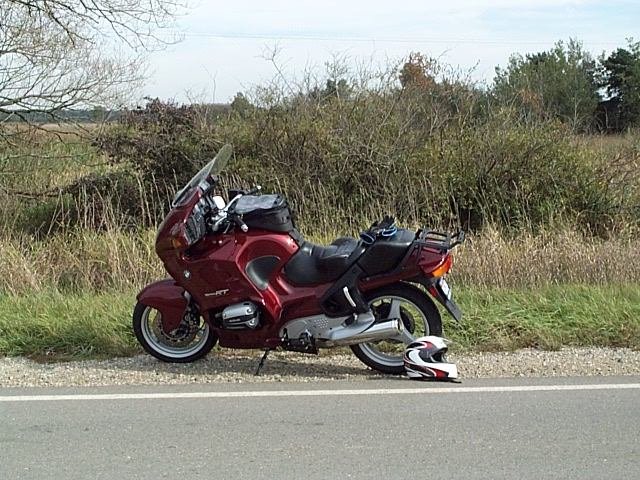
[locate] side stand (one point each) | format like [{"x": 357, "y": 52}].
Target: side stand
[{"x": 262, "y": 360}]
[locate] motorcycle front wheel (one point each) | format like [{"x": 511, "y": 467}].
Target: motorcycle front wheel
[
  {"x": 420, "y": 318},
  {"x": 189, "y": 342}
]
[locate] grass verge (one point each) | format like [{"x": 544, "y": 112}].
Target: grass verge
[
  {"x": 50, "y": 325},
  {"x": 548, "y": 317},
  {"x": 59, "y": 326}
]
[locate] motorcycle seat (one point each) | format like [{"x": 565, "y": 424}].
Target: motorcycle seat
[
  {"x": 386, "y": 253},
  {"x": 315, "y": 264}
]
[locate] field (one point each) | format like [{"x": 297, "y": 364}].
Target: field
[{"x": 542, "y": 270}]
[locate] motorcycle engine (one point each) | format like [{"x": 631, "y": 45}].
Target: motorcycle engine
[{"x": 241, "y": 316}]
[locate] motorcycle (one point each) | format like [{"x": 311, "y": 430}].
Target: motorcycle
[{"x": 244, "y": 277}]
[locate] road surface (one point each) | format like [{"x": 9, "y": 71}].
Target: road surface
[{"x": 577, "y": 428}]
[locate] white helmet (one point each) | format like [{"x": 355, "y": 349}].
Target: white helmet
[{"x": 424, "y": 358}]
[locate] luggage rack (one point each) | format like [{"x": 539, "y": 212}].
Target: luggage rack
[{"x": 440, "y": 241}]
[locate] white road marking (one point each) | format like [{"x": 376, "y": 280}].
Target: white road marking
[{"x": 317, "y": 393}]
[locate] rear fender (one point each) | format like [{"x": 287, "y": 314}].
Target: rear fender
[
  {"x": 168, "y": 298},
  {"x": 435, "y": 289}
]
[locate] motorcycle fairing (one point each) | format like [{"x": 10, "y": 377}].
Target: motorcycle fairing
[{"x": 260, "y": 269}]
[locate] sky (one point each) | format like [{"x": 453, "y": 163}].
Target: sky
[{"x": 225, "y": 45}]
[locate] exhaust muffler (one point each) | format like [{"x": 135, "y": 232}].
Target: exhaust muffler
[{"x": 363, "y": 330}]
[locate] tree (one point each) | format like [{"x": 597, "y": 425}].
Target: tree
[
  {"x": 621, "y": 78},
  {"x": 61, "y": 54},
  {"x": 560, "y": 83},
  {"x": 333, "y": 89},
  {"x": 241, "y": 105},
  {"x": 418, "y": 72}
]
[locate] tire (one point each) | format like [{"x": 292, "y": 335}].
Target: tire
[
  {"x": 391, "y": 363},
  {"x": 161, "y": 348}
]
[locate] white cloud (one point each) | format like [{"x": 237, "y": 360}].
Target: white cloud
[
  {"x": 353, "y": 15},
  {"x": 216, "y": 50}
]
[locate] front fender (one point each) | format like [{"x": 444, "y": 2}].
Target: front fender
[{"x": 168, "y": 298}]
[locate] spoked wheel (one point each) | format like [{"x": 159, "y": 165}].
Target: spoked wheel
[
  {"x": 419, "y": 316},
  {"x": 192, "y": 340}
]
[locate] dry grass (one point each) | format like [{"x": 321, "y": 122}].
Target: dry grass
[
  {"x": 115, "y": 260},
  {"x": 79, "y": 261},
  {"x": 495, "y": 260}
]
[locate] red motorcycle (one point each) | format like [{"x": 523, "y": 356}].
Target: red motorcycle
[{"x": 243, "y": 276}]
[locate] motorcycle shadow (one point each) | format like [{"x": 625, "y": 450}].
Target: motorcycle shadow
[{"x": 232, "y": 366}]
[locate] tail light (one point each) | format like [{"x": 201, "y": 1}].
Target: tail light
[{"x": 443, "y": 268}]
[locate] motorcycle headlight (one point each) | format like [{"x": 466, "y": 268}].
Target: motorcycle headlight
[{"x": 195, "y": 227}]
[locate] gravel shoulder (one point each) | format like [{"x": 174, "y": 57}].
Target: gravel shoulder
[{"x": 238, "y": 367}]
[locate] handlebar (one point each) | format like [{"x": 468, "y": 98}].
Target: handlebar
[
  {"x": 227, "y": 214},
  {"x": 238, "y": 221}
]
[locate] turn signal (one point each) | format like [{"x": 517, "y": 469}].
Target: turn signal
[
  {"x": 177, "y": 243},
  {"x": 443, "y": 268}
]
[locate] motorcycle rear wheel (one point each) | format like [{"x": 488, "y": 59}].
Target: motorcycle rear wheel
[
  {"x": 420, "y": 318},
  {"x": 173, "y": 347}
]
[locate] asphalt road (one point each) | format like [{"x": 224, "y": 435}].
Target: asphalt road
[{"x": 578, "y": 428}]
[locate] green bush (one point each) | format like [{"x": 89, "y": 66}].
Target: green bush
[
  {"x": 431, "y": 149},
  {"x": 39, "y": 217},
  {"x": 163, "y": 142},
  {"x": 558, "y": 84}
]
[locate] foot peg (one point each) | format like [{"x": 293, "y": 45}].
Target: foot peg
[{"x": 305, "y": 343}]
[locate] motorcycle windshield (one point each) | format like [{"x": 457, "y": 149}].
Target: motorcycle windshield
[{"x": 214, "y": 167}]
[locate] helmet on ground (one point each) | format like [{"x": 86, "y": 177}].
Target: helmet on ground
[{"x": 424, "y": 358}]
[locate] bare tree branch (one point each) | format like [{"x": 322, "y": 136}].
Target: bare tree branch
[{"x": 63, "y": 54}]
